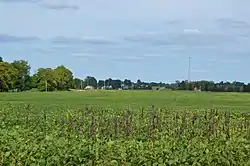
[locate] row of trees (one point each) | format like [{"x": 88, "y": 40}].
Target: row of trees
[
  {"x": 211, "y": 86},
  {"x": 15, "y": 76}
]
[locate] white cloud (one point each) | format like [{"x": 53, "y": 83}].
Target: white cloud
[{"x": 181, "y": 39}]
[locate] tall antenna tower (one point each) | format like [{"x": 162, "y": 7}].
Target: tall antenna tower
[{"x": 189, "y": 68}]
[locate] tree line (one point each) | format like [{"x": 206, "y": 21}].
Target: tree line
[{"x": 15, "y": 76}]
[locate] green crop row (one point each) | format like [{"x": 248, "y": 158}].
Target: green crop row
[{"x": 32, "y": 135}]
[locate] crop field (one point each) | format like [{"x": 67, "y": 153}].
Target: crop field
[{"x": 124, "y": 128}]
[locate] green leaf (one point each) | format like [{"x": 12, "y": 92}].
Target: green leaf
[
  {"x": 114, "y": 162},
  {"x": 7, "y": 154}
]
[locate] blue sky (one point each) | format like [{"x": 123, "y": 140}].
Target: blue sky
[{"x": 149, "y": 40}]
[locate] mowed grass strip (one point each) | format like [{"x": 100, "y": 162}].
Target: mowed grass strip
[{"x": 134, "y": 99}]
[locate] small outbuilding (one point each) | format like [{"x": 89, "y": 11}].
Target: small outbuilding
[{"x": 89, "y": 88}]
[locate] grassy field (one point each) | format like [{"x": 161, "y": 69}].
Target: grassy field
[
  {"x": 134, "y": 99},
  {"x": 123, "y": 128}
]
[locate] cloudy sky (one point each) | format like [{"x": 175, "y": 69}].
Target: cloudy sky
[{"x": 149, "y": 40}]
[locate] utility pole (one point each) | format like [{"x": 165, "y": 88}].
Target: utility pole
[
  {"x": 46, "y": 86},
  {"x": 189, "y": 68}
]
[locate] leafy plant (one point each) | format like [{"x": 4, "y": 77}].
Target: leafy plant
[{"x": 34, "y": 135}]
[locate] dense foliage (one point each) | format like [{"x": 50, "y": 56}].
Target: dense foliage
[
  {"x": 54, "y": 135},
  {"x": 16, "y": 76}
]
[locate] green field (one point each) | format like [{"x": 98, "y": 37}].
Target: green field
[
  {"x": 134, "y": 99},
  {"x": 124, "y": 128}
]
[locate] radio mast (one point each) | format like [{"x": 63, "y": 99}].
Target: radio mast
[{"x": 189, "y": 68}]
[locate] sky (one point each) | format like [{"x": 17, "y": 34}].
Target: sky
[{"x": 150, "y": 40}]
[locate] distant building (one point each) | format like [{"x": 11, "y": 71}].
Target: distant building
[
  {"x": 162, "y": 88},
  {"x": 89, "y": 88},
  {"x": 107, "y": 87},
  {"x": 197, "y": 89}
]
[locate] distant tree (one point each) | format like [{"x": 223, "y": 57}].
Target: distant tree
[
  {"x": 138, "y": 84},
  {"x": 1, "y": 59},
  {"x": 46, "y": 79},
  {"x": 91, "y": 81},
  {"x": 116, "y": 84},
  {"x": 100, "y": 83},
  {"x": 128, "y": 83},
  {"x": 64, "y": 78},
  {"x": 8, "y": 76},
  {"x": 23, "y": 69},
  {"x": 108, "y": 82},
  {"x": 79, "y": 83},
  {"x": 30, "y": 82},
  {"x": 247, "y": 88}
]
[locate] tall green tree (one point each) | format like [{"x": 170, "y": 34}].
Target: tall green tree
[
  {"x": 100, "y": 83},
  {"x": 23, "y": 70},
  {"x": 138, "y": 84},
  {"x": 128, "y": 82},
  {"x": 91, "y": 81},
  {"x": 46, "y": 79},
  {"x": 116, "y": 84},
  {"x": 64, "y": 77},
  {"x": 30, "y": 82},
  {"x": 8, "y": 76},
  {"x": 79, "y": 83}
]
